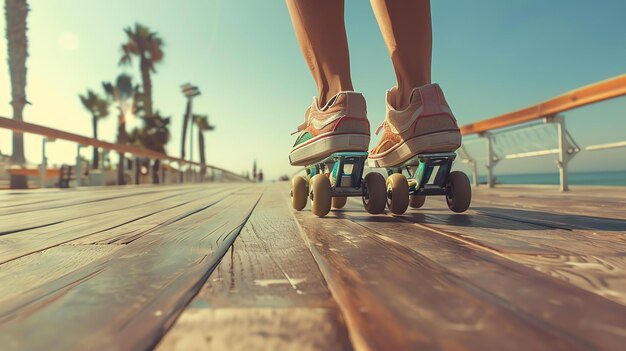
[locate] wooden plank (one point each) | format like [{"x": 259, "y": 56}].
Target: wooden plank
[
  {"x": 585, "y": 259},
  {"x": 587, "y": 319},
  {"x": 136, "y": 293},
  {"x": 165, "y": 214},
  {"x": 266, "y": 291},
  {"x": 30, "y": 241},
  {"x": 594, "y": 207},
  {"x": 394, "y": 298},
  {"x": 33, "y": 271},
  {"x": 232, "y": 329},
  {"x": 515, "y": 232},
  {"x": 269, "y": 265},
  {"x": 11, "y": 198},
  {"x": 73, "y": 197},
  {"x": 590, "y": 94},
  {"x": 18, "y": 222}
]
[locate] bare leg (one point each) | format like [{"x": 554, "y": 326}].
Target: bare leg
[
  {"x": 320, "y": 29},
  {"x": 406, "y": 29}
]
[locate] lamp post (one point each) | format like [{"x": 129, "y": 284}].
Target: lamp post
[
  {"x": 191, "y": 139},
  {"x": 190, "y": 91}
]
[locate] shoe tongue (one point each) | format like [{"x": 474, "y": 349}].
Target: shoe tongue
[{"x": 416, "y": 97}]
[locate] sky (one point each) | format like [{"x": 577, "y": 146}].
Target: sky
[{"x": 490, "y": 57}]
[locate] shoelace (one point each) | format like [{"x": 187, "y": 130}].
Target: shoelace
[
  {"x": 300, "y": 128},
  {"x": 304, "y": 124},
  {"x": 381, "y": 126}
]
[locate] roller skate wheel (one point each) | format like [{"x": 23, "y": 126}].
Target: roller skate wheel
[
  {"x": 320, "y": 194},
  {"x": 339, "y": 201},
  {"x": 374, "y": 193},
  {"x": 460, "y": 195},
  {"x": 417, "y": 201},
  {"x": 397, "y": 193},
  {"x": 299, "y": 192}
]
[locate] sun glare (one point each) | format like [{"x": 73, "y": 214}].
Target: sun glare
[{"x": 68, "y": 41}]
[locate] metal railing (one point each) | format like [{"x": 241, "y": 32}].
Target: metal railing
[
  {"x": 547, "y": 112},
  {"x": 190, "y": 171}
]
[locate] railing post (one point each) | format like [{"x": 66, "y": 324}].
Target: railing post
[
  {"x": 472, "y": 164},
  {"x": 467, "y": 158},
  {"x": 563, "y": 156},
  {"x": 491, "y": 159},
  {"x": 79, "y": 175},
  {"x": 566, "y": 150},
  {"x": 44, "y": 162}
]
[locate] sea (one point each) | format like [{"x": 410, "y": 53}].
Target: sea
[{"x": 575, "y": 178}]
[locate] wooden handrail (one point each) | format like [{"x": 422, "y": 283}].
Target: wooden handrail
[
  {"x": 590, "y": 94},
  {"x": 25, "y": 127}
]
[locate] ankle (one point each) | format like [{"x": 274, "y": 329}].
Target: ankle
[
  {"x": 328, "y": 92},
  {"x": 400, "y": 98}
]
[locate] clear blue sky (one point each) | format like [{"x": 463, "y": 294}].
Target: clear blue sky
[{"x": 490, "y": 57}]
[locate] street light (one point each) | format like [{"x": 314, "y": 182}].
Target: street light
[{"x": 190, "y": 90}]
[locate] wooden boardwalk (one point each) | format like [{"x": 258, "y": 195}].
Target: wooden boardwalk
[{"x": 233, "y": 267}]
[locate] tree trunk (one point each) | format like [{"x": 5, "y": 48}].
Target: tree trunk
[
  {"x": 201, "y": 147},
  {"x": 95, "y": 159},
  {"x": 186, "y": 118},
  {"x": 147, "y": 87},
  {"x": 121, "y": 139},
  {"x": 16, "y": 12}
]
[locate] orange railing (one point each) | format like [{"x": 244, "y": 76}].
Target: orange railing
[
  {"x": 590, "y": 94},
  {"x": 25, "y": 127},
  {"x": 548, "y": 111}
]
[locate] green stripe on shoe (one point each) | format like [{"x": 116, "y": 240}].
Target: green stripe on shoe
[{"x": 306, "y": 136}]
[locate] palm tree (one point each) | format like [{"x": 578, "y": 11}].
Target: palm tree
[
  {"x": 148, "y": 47},
  {"x": 202, "y": 122},
  {"x": 154, "y": 135},
  {"x": 16, "y": 12},
  {"x": 126, "y": 96},
  {"x": 99, "y": 109}
]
